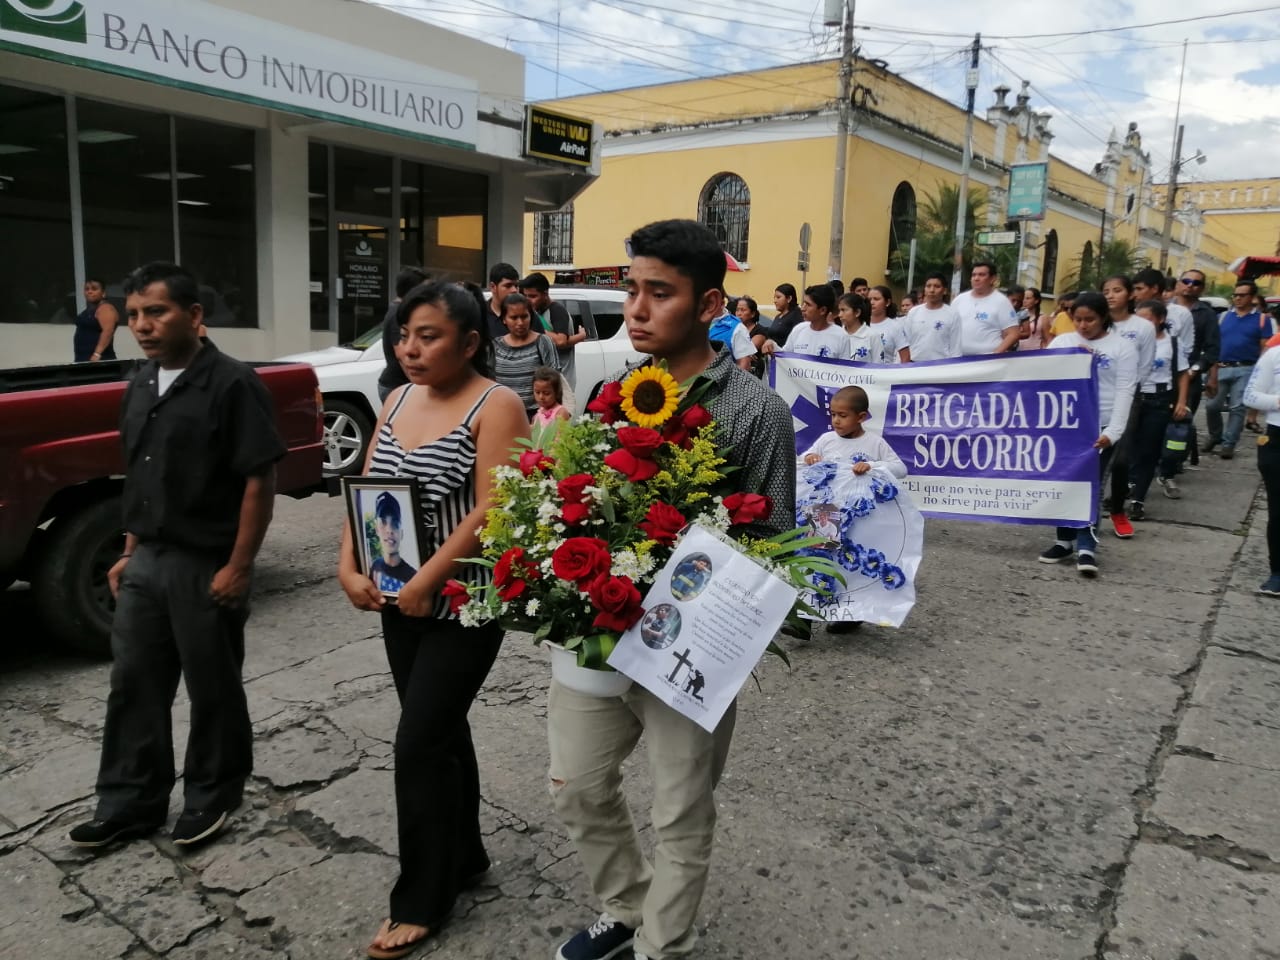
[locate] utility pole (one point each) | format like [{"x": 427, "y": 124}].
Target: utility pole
[
  {"x": 835, "y": 253},
  {"x": 971, "y": 84},
  {"x": 1174, "y": 165}
]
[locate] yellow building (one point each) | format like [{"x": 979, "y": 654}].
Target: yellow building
[
  {"x": 1243, "y": 215},
  {"x": 753, "y": 154}
]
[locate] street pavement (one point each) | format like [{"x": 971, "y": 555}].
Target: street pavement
[{"x": 1034, "y": 766}]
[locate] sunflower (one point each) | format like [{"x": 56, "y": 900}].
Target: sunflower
[{"x": 650, "y": 396}]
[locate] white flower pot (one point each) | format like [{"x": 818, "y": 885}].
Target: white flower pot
[{"x": 594, "y": 683}]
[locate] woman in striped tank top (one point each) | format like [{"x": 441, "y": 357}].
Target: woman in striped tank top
[{"x": 447, "y": 428}]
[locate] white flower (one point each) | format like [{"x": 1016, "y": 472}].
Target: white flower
[
  {"x": 558, "y": 527},
  {"x": 627, "y": 563},
  {"x": 506, "y": 473},
  {"x": 470, "y": 615},
  {"x": 720, "y": 516},
  {"x": 519, "y": 531},
  {"x": 531, "y": 608},
  {"x": 547, "y": 511}
]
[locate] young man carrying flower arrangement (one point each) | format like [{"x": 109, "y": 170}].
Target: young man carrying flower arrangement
[{"x": 575, "y": 535}]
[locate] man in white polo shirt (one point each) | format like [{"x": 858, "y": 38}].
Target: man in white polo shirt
[{"x": 988, "y": 322}]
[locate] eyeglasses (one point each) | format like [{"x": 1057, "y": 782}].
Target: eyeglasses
[{"x": 1192, "y": 282}]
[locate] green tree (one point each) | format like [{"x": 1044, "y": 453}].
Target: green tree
[
  {"x": 1116, "y": 257},
  {"x": 936, "y": 238}
]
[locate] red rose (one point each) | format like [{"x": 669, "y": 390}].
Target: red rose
[
  {"x": 608, "y": 402},
  {"x": 696, "y": 417},
  {"x": 635, "y": 468},
  {"x": 581, "y": 559},
  {"x": 662, "y": 523},
  {"x": 570, "y": 488},
  {"x": 618, "y": 601},
  {"x": 640, "y": 441},
  {"x": 677, "y": 434},
  {"x": 574, "y": 513},
  {"x": 457, "y": 594},
  {"x": 534, "y": 461},
  {"x": 510, "y": 573},
  {"x": 747, "y": 507}
]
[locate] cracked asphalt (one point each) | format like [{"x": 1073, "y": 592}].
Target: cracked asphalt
[{"x": 1035, "y": 766}]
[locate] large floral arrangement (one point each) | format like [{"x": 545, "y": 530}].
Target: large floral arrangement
[{"x": 579, "y": 526}]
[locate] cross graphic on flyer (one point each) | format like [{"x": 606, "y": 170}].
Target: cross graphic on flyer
[{"x": 682, "y": 660}]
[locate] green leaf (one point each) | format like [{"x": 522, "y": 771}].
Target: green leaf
[
  {"x": 606, "y": 506},
  {"x": 595, "y": 651}
]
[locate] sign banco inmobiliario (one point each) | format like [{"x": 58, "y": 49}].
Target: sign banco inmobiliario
[{"x": 214, "y": 50}]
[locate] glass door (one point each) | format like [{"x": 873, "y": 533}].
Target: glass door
[{"x": 362, "y": 287}]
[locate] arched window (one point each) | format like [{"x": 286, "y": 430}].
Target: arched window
[
  {"x": 725, "y": 208},
  {"x": 902, "y": 221},
  {"x": 1049, "y": 269}
]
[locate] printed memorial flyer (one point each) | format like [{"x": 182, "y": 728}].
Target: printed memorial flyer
[
  {"x": 1005, "y": 438},
  {"x": 707, "y": 621}
]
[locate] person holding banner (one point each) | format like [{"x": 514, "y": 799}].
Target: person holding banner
[
  {"x": 988, "y": 321},
  {"x": 890, "y": 343},
  {"x": 1118, "y": 291},
  {"x": 853, "y": 312},
  {"x": 1161, "y": 394},
  {"x": 932, "y": 328},
  {"x": 816, "y": 335},
  {"x": 1117, "y": 365},
  {"x": 1263, "y": 393}
]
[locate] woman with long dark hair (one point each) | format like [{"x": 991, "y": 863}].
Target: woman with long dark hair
[{"x": 446, "y": 429}]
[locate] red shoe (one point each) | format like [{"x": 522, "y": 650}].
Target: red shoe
[{"x": 1124, "y": 529}]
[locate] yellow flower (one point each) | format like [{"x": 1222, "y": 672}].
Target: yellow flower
[{"x": 650, "y": 396}]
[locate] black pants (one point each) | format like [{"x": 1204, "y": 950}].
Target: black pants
[
  {"x": 1195, "y": 390},
  {"x": 1121, "y": 459},
  {"x": 438, "y": 667},
  {"x": 1147, "y": 450},
  {"x": 1269, "y": 467},
  {"x": 166, "y": 625}
]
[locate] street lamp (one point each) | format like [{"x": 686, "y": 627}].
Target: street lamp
[{"x": 1175, "y": 165}]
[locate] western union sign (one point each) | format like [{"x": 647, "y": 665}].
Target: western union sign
[{"x": 553, "y": 136}]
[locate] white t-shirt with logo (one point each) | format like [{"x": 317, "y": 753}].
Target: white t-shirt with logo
[
  {"x": 1183, "y": 326},
  {"x": 887, "y": 339},
  {"x": 983, "y": 321},
  {"x": 1142, "y": 337},
  {"x": 831, "y": 341},
  {"x": 1161, "y": 374},
  {"x": 933, "y": 333},
  {"x": 1117, "y": 364},
  {"x": 861, "y": 342}
]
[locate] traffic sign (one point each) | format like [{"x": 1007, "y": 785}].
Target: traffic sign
[
  {"x": 997, "y": 238},
  {"x": 806, "y": 234}
]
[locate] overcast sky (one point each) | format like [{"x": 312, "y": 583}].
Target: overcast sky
[{"x": 1092, "y": 81}]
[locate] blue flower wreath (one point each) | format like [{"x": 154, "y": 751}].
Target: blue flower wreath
[
  {"x": 873, "y": 562},
  {"x": 892, "y": 577},
  {"x": 884, "y": 491}
]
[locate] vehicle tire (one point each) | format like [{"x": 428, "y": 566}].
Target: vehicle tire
[
  {"x": 346, "y": 436},
  {"x": 70, "y": 577}
]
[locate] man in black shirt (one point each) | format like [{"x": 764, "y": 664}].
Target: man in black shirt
[
  {"x": 563, "y": 330},
  {"x": 503, "y": 279},
  {"x": 200, "y": 448},
  {"x": 1204, "y": 352},
  {"x": 392, "y": 375}
]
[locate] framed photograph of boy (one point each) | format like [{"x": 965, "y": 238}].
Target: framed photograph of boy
[{"x": 385, "y": 515}]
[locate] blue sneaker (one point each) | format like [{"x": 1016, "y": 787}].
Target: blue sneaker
[
  {"x": 604, "y": 939},
  {"x": 1272, "y": 587}
]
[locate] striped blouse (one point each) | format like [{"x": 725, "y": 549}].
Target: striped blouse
[{"x": 445, "y": 471}]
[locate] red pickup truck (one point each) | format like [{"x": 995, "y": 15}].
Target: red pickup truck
[{"x": 62, "y": 473}]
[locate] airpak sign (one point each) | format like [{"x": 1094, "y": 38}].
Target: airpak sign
[
  {"x": 226, "y": 53},
  {"x": 553, "y": 136}
]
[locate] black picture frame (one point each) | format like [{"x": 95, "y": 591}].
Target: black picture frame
[{"x": 372, "y": 504}]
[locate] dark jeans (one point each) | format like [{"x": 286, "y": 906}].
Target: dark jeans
[
  {"x": 1086, "y": 538},
  {"x": 1195, "y": 391},
  {"x": 1122, "y": 455},
  {"x": 1269, "y": 467},
  {"x": 438, "y": 667},
  {"x": 166, "y": 625},
  {"x": 1154, "y": 414}
]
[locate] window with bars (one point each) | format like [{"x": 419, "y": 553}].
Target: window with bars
[
  {"x": 553, "y": 236},
  {"x": 725, "y": 208}
]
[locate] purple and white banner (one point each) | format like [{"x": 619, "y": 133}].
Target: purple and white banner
[{"x": 1004, "y": 438}]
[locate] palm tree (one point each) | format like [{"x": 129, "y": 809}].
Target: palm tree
[
  {"x": 1090, "y": 269},
  {"x": 936, "y": 238}
]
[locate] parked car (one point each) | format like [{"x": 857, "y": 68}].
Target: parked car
[
  {"x": 62, "y": 524},
  {"x": 348, "y": 374},
  {"x": 1220, "y": 304}
]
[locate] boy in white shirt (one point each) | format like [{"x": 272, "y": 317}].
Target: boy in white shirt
[
  {"x": 817, "y": 336},
  {"x": 847, "y": 438},
  {"x": 932, "y": 328}
]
